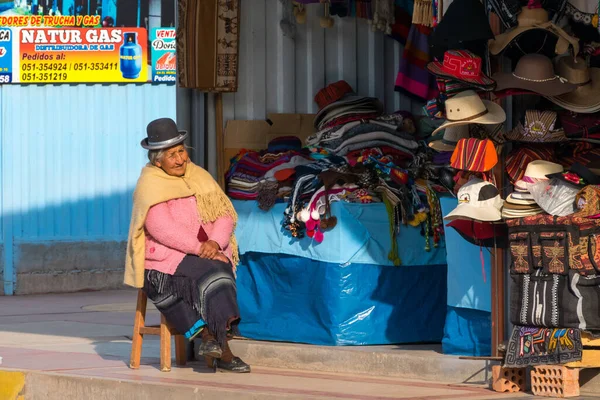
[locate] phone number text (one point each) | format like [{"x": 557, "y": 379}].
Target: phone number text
[
  {"x": 43, "y": 76},
  {"x": 58, "y": 67}
]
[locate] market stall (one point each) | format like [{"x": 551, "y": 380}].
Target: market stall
[
  {"x": 351, "y": 286},
  {"x": 530, "y": 188}
]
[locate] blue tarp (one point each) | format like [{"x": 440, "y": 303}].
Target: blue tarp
[
  {"x": 295, "y": 299},
  {"x": 344, "y": 291},
  {"x": 361, "y": 236},
  {"x": 467, "y": 332},
  {"x": 468, "y": 325}
]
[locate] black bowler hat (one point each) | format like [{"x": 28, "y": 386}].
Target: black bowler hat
[{"x": 162, "y": 134}]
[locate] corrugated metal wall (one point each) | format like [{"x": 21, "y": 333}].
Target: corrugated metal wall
[
  {"x": 278, "y": 74},
  {"x": 70, "y": 158}
]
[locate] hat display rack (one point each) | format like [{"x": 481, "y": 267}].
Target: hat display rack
[{"x": 534, "y": 156}]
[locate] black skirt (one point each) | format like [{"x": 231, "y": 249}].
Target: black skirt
[{"x": 202, "y": 292}]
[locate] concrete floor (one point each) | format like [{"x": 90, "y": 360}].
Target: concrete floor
[{"x": 75, "y": 346}]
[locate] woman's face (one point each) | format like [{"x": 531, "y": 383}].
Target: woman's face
[{"x": 174, "y": 161}]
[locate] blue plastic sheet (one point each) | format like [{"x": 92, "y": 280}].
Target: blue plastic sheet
[
  {"x": 361, "y": 236},
  {"x": 467, "y": 332},
  {"x": 296, "y": 299},
  {"x": 468, "y": 286}
]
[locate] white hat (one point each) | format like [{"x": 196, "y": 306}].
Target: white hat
[
  {"x": 478, "y": 200},
  {"x": 468, "y": 108},
  {"x": 537, "y": 170}
]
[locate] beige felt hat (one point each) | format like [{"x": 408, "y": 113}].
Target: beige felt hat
[
  {"x": 468, "y": 108},
  {"x": 586, "y": 98},
  {"x": 534, "y": 72},
  {"x": 451, "y": 137},
  {"x": 535, "y": 18}
]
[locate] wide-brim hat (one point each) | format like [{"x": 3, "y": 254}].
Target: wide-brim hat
[
  {"x": 586, "y": 97},
  {"x": 514, "y": 198},
  {"x": 489, "y": 214},
  {"x": 478, "y": 200},
  {"x": 509, "y": 213},
  {"x": 534, "y": 72},
  {"x": 162, "y": 134},
  {"x": 534, "y": 19},
  {"x": 538, "y": 170},
  {"x": 537, "y": 127},
  {"x": 462, "y": 66},
  {"x": 451, "y": 137},
  {"x": 486, "y": 234},
  {"x": 468, "y": 108},
  {"x": 350, "y": 101}
]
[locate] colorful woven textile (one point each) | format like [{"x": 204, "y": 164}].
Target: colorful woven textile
[
  {"x": 517, "y": 160},
  {"x": 542, "y": 346},
  {"x": 413, "y": 77},
  {"x": 474, "y": 155},
  {"x": 207, "y": 45}
]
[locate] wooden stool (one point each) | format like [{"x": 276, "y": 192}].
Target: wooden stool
[{"x": 164, "y": 331}]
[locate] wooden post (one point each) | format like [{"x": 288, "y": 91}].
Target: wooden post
[
  {"x": 220, "y": 140},
  {"x": 497, "y": 283}
]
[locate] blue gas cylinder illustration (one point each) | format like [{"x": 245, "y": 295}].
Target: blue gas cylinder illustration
[{"x": 131, "y": 56}]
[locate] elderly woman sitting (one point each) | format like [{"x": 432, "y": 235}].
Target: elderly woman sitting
[{"x": 181, "y": 247}]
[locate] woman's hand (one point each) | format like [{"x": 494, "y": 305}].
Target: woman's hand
[
  {"x": 221, "y": 257},
  {"x": 209, "y": 250}
]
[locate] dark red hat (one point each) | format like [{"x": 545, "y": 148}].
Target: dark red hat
[{"x": 332, "y": 93}]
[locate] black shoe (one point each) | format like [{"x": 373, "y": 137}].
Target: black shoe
[
  {"x": 236, "y": 365},
  {"x": 209, "y": 349}
]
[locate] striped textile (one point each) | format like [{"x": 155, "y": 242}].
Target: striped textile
[
  {"x": 402, "y": 24},
  {"x": 474, "y": 155},
  {"x": 518, "y": 159},
  {"x": 362, "y": 9},
  {"x": 413, "y": 77}
]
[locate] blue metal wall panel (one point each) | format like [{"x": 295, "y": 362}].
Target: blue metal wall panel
[{"x": 72, "y": 154}]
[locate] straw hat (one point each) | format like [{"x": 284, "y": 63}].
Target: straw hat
[
  {"x": 451, "y": 137},
  {"x": 534, "y": 72},
  {"x": 468, "y": 108},
  {"x": 529, "y": 19},
  {"x": 537, "y": 171},
  {"x": 586, "y": 98}
]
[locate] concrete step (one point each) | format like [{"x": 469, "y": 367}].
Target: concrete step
[
  {"x": 196, "y": 382},
  {"x": 424, "y": 362}
]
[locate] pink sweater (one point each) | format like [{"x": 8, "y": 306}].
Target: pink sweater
[{"x": 172, "y": 233}]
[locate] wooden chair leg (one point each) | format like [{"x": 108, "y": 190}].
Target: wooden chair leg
[
  {"x": 165, "y": 345},
  {"x": 137, "y": 337},
  {"x": 180, "y": 350},
  {"x": 210, "y": 362}
]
